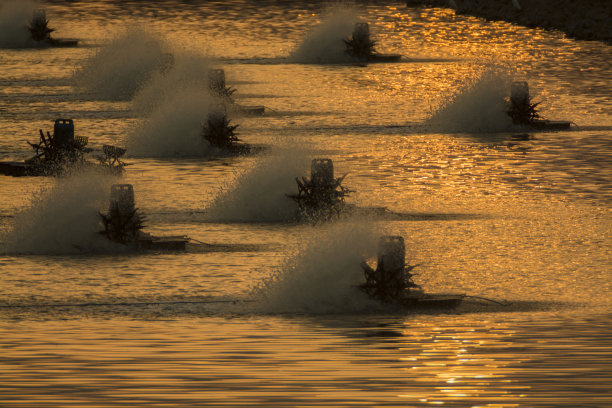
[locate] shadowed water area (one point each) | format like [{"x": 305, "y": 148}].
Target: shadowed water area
[{"x": 276, "y": 320}]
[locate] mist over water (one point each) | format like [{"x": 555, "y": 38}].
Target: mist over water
[
  {"x": 118, "y": 69},
  {"x": 322, "y": 275},
  {"x": 323, "y": 44},
  {"x": 479, "y": 106},
  {"x": 174, "y": 128},
  {"x": 14, "y": 17},
  {"x": 62, "y": 218},
  {"x": 260, "y": 194},
  {"x": 188, "y": 73}
]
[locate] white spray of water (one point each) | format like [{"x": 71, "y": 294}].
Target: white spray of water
[
  {"x": 121, "y": 67},
  {"x": 323, "y": 275},
  {"x": 14, "y": 18},
  {"x": 324, "y": 44},
  {"x": 63, "y": 218},
  {"x": 188, "y": 72},
  {"x": 174, "y": 129},
  {"x": 260, "y": 195},
  {"x": 478, "y": 107}
]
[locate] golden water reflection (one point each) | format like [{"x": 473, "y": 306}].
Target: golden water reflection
[
  {"x": 457, "y": 365},
  {"x": 456, "y": 361}
]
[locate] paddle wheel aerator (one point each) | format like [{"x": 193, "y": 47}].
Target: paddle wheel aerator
[
  {"x": 122, "y": 223},
  {"x": 320, "y": 197},
  {"x": 391, "y": 282},
  {"x": 217, "y": 130}
]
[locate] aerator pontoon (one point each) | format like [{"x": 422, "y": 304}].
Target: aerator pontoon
[
  {"x": 60, "y": 151},
  {"x": 524, "y": 113},
  {"x": 123, "y": 224},
  {"x": 320, "y": 197},
  {"x": 361, "y": 47},
  {"x": 41, "y": 33},
  {"x": 391, "y": 282},
  {"x": 218, "y": 88}
]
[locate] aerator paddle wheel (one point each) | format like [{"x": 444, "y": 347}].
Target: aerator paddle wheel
[
  {"x": 122, "y": 223},
  {"x": 218, "y": 131},
  {"x": 359, "y": 45},
  {"x": 521, "y": 109},
  {"x": 39, "y": 27},
  {"x": 61, "y": 148},
  {"x": 392, "y": 278},
  {"x": 111, "y": 158},
  {"x": 321, "y": 197}
]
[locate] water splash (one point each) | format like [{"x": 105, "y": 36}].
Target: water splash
[
  {"x": 188, "y": 72},
  {"x": 174, "y": 129},
  {"x": 63, "y": 218},
  {"x": 14, "y": 17},
  {"x": 259, "y": 195},
  {"x": 324, "y": 45},
  {"x": 477, "y": 107},
  {"x": 120, "y": 68},
  {"x": 322, "y": 276}
]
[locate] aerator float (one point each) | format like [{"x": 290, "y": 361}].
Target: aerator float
[
  {"x": 524, "y": 113},
  {"x": 391, "y": 282},
  {"x": 361, "y": 47},
  {"x": 218, "y": 88},
  {"x": 123, "y": 224},
  {"x": 61, "y": 151},
  {"x": 320, "y": 197},
  {"x": 41, "y": 33}
]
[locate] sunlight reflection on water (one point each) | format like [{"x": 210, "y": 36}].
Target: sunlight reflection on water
[
  {"x": 278, "y": 361},
  {"x": 528, "y": 221}
]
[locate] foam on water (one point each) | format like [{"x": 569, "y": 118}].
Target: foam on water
[
  {"x": 187, "y": 72},
  {"x": 62, "y": 218},
  {"x": 479, "y": 106},
  {"x": 14, "y": 17},
  {"x": 322, "y": 275},
  {"x": 260, "y": 194},
  {"x": 120, "y": 68},
  {"x": 174, "y": 128},
  {"x": 324, "y": 44}
]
